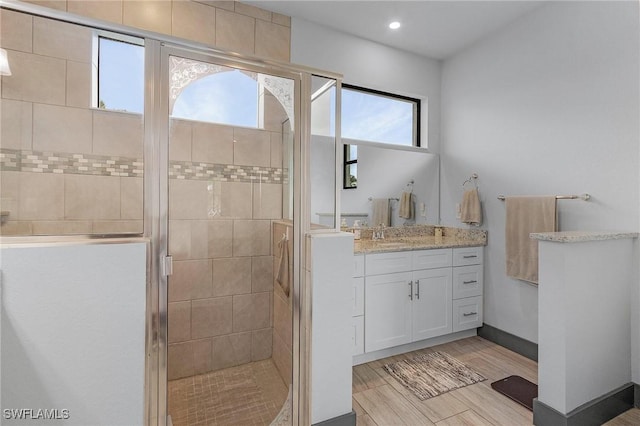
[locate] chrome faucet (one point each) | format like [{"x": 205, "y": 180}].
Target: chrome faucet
[{"x": 378, "y": 234}]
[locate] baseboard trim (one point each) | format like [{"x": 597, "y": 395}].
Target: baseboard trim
[
  {"x": 512, "y": 342},
  {"x": 593, "y": 413},
  {"x": 348, "y": 419}
]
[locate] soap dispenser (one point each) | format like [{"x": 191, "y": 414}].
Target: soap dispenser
[{"x": 356, "y": 230}]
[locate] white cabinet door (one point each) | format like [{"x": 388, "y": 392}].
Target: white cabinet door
[
  {"x": 387, "y": 320},
  {"x": 357, "y": 323},
  {"x": 358, "y": 297},
  {"x": 431, "y": 303}
]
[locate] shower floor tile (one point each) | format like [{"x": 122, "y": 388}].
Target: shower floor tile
[{"x": 250, "y": 394}]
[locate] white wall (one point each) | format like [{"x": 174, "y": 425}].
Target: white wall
[
  {"x": 374, "y": 66},
  {"x": 549, "y": 105},
  {"x": 73, "y": 331}
]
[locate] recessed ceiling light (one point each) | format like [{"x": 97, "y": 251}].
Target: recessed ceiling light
[{"x": 394, "y": 25}]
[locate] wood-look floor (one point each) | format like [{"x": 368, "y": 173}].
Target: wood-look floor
[{"x": 380, "y": 400}]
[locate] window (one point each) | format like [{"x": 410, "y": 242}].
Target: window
[
  {"x": 350, "y": 167},
  {"x": 375, "y": 116},
  {"x": 119, "y": 65}
]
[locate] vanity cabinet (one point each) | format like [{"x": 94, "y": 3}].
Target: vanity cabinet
[
  {"x": 357, "y": 301},
  {"x": 416, "y": 295},
  {"x": 410, "y": 305}
]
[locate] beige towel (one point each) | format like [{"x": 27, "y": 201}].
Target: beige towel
[
  {"x": 282, "y": 276},
  {"x": 524, "y": 216},
  {"x": 406, "y": 206},
  {"x": 470, "y": 210},
  {"x": 380, "y": 212}
]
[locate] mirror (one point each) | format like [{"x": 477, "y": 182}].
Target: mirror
[{"x": 384, "y": 171}]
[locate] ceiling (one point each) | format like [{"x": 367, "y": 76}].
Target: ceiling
[{"x": 437, "y": 29}]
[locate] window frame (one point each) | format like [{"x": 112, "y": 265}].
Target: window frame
[
  {"x": 346, "y": 164},
  {"x": 416, "y": 109}
]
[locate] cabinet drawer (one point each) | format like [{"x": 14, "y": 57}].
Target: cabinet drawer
[
  {"x": 358, "y": 296},
  {"x": 467, "y": 281},
  {"x": 429, "y": 259},
  {"x": 467, "y": 313},
  {"x": 387, "y": 263},
  {"x": 357, "y": 338},
  {"x": 467, "y": 256},
  {"x": 358, "y": 265}
]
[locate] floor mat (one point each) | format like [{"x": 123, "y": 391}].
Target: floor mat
[
  {"x": 432, "y": 374},
  {"x": 518, "y": 389}
]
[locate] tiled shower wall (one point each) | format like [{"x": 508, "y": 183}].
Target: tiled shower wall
[
  {"x": 66, "y": 168},
  {"x": 221, "y": 291}
]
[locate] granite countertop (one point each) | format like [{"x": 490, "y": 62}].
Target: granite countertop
[
  {"x": 581, "y": 236},
  {"x": 425, "y": 242}
]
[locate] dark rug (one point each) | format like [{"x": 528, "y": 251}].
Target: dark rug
[
  {"x": 432, "y": 374},
  {"x": 518, "y": 389}
]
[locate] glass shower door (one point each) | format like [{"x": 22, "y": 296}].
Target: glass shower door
[{"x": 230, "y": 233}]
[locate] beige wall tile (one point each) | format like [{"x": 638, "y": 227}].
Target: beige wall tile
[
  {"x": 235, "y": 32},
  {"x": 62, "y": 40},
  {"x": 66, "y": 227},
  {"x": 41, "y": 196},
  {"x": 194, "y": 21},
  {"x": 179, "y": 321},
  {"x": 179, "y": 140},
  {"x": 188, "y": 239},
  {"x": 276, "y": 150},
  {"x": 117, "y": 227},
  {"x": 251, "y": 238},
  {"x": 16, "y": 30},
  {"x": 117, "y": 133},
  {"x": 279, "y": 19},
  {"x": 53, "y": 4},
  {"x": 230, "y": 350},
  {"x": 35, "y": 78},
  {"x": 273, "y": 113},
  {"x": 180, "y": 362},
  {"x": 16, "y": 124},
  {"x": 91, "y": 197},
  {"x": 261, "y": 344},
  {"x": 236, "y": 200},
  {"x": 251, "y": 311},
  {"x": 251, "y": 147},
  {"x": 191, "y": 279},
  {"x": 212, "y": 143},
  {"x": 282, "y": 358},
  {"x": 202, "y": 356},
  {"x": 253, "y": 11},
  {"x": 106, "y": 10},
  {"x": 231, "y": 276},
  {"x": 220, "y": 238},
  {"x": 61, "y": 129},
  {"x": 261, "y": 274},
  {"x": 79, "y": 84},
  {"x": 273, "y": 41},
  {"x": 10, "y": 193},
  {"x": 188, "y": 199},
  {"x": 131, "y": 196},
  {"x": 13, "y": 228},
  {"x": 282, "y": 319},
  {"x": 148, "y": 15},
  {"x": 211, "y": 317},
  {"x": 267, "y": 201},
  {"x": 221, "y": 4}
]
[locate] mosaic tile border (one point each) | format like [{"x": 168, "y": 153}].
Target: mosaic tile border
[{"x": 14, "y": 160}]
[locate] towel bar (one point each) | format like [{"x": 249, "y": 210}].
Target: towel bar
[{"x": 583, "y": 197}]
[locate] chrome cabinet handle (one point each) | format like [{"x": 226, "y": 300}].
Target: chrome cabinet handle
[
  {"x": 411, "y": 290},
  {"x": 469, "y": 314},
  {"x": 470, "y": 256},
  {"x": 469, "y": 282},
  {"x": 418, "y": 289}
]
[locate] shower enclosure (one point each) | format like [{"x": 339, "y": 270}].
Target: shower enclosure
[{"x": 212, "y": 169}]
